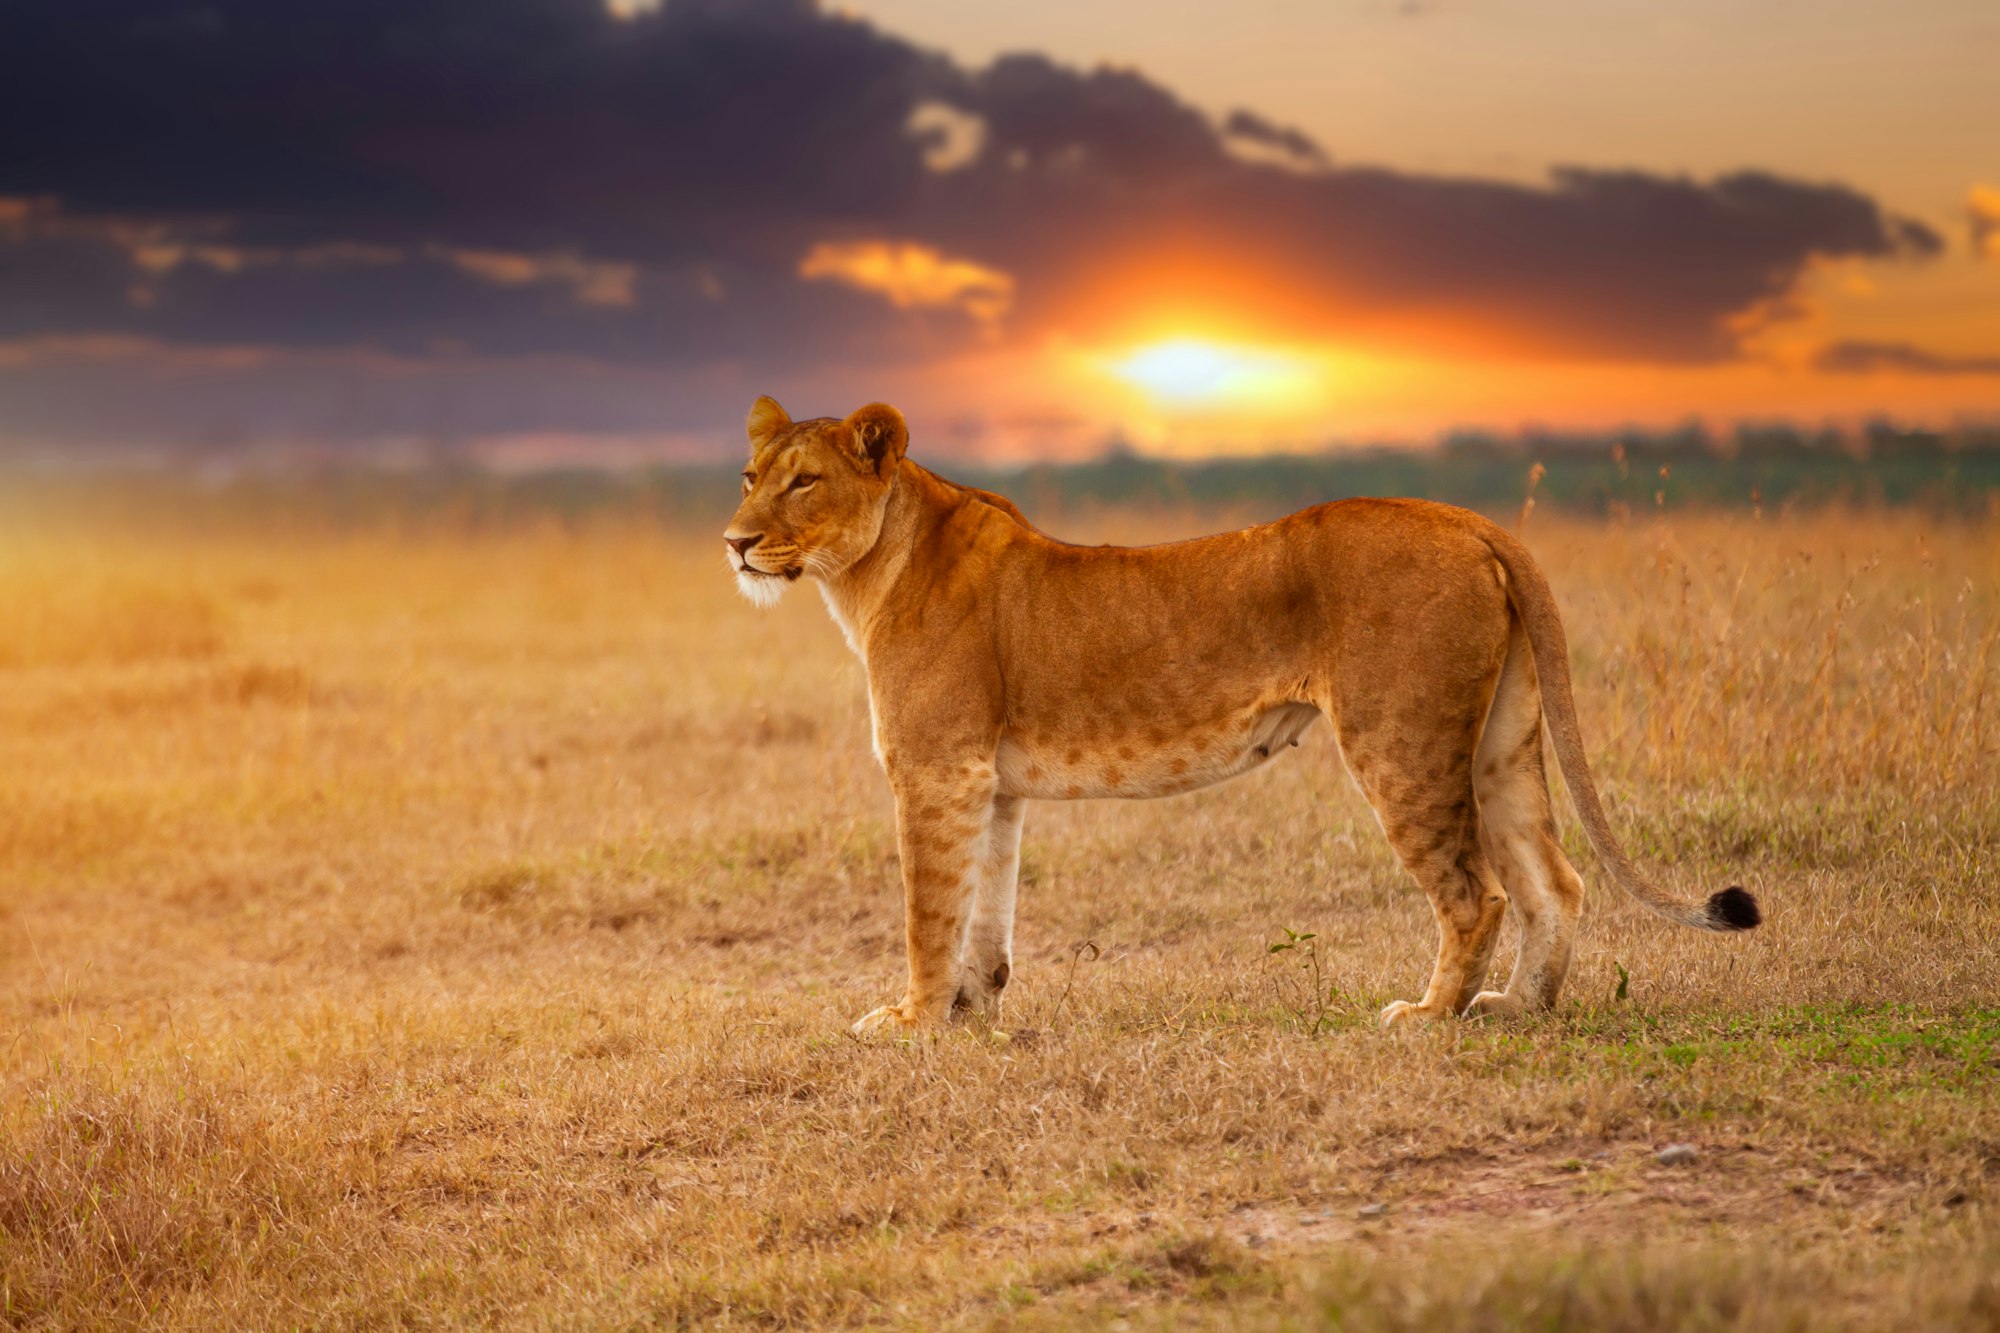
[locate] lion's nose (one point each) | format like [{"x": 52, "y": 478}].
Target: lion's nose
[{"x": 742, "y": 545}]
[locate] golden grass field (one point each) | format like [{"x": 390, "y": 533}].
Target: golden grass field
[{"x": 455, "y": 925}]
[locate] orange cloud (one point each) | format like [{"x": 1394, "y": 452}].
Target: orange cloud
[
  {"x": 951, "y": 138},
  {"x": 1983, "y": 207},
  {"x": 912, "y": 277},
  {"x": 15, "y": 209}
]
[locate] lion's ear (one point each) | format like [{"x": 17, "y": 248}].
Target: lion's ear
[
  {"x": 766, "y": 420},
  {"x": 880, "y": 436}
]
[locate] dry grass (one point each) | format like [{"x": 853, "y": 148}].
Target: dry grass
[{"x": 451, "y": 928}]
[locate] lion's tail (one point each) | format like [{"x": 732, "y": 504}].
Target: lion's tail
[{"x": 1731, "y": 909}]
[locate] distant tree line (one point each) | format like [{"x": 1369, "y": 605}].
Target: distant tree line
[
  {"x": 1769, "y": 467},
  {"x": 1752, "y": 468}
]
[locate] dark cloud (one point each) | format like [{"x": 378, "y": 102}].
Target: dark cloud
[
  {"x": 712, "y": 139},
  {"x": 1113, "y": 124},
  {"x": 204, "y": 284},
  {"x": 514, "y": 124},
  {"x": 1871, "y": 358},
  {"x": 1293, "y": 143},
  {"x": 1600, "y": 264},
  {"x": 539, "y": 176}
]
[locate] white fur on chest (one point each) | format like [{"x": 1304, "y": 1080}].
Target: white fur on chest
[
  {"x": 840, "y": 618},
  {"x": 847, "y": 631}
]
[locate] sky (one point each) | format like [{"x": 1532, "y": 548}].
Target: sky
[{"x": 544, "y": 229}]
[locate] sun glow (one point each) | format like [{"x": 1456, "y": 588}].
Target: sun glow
[{"x": 1194, "y": 373}]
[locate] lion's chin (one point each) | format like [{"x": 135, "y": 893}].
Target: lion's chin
[{"x": 762, "y": 589}]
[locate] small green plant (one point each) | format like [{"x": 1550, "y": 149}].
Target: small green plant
[
  {"x": 1307, "y": 995},
  {"x": 1624, "y": 991}
]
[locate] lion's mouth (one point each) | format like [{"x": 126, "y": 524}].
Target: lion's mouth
[{"x": 789, "y": 573}]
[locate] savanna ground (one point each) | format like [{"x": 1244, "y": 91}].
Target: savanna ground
[{"x": 448, "y": 925}]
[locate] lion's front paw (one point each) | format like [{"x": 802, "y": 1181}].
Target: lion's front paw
[
  {"x": 891, "y": 1016},
  {"x": 1404, "y": 1014},
  {"x": 901, "y": 1018}
]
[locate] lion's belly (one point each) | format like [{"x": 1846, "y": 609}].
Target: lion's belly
[{"x": 1079, "y": 762}]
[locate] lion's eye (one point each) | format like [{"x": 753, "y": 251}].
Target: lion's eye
[
  {"x": 804, "y": 481},
  {"x": 748, "y": 482}
]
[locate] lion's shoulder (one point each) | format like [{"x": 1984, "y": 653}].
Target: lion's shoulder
[
  {"x": 975, "y": 497},
  {"x": 1001, "y": 503}
]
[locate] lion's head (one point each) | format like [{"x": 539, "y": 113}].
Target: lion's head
[{"x": 813, "y": 494}]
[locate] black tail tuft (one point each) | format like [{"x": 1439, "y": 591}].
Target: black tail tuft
[{"x": 1733, "y": 909}]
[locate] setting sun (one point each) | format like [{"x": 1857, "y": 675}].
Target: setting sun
[{"x": 1194, "y": 372}]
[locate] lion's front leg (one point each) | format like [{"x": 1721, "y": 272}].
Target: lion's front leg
[
  {"x": 943, "y": 815},
  {"x": 988, "y": 958}
]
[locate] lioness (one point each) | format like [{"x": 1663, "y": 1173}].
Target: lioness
[{"x": 1004, "y": 665}]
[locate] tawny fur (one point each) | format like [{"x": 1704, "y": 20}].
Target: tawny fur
[{"x": 1004, "y": 666}]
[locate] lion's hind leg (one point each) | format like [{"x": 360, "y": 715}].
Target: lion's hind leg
[
  {"x": 1518, "y": 832},
  {"x": 1434, "y": 828},
  {"x": 1469, "y": 903}
]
